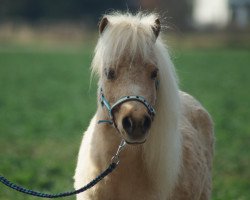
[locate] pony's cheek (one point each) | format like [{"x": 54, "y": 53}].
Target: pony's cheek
[{"x": 152, "y": 96}]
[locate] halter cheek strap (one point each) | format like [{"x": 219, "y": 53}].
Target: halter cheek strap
[{"x": 104, "y": 102}]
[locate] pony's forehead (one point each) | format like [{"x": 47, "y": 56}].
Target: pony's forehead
[{"x": 131, "y": 60}]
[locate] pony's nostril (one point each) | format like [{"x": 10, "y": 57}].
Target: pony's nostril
[
  {"x": 136, "y": 127},
  {"x": 146, "y": 123},
  {"x": 127, "y": 124}
]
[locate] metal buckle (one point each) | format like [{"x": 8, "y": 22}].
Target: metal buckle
[{"x": 115, "y": 159}]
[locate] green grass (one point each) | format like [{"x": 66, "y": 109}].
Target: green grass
[{"x": 46, "y": 103}]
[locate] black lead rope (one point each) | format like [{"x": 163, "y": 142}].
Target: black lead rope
[
  {"x": 114, "y": 162},
  {"x": 21, "y": 189}
]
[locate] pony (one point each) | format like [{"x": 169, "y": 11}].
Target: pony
[{"x": 169, "y": 153}]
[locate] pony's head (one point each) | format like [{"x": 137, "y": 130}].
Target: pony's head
[{"x": 126, "y": 63}]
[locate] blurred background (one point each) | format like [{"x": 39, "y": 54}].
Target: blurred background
[{"x": 46, "y": 99}]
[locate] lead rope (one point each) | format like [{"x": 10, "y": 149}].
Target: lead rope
[{"x": 114, "y": 162}]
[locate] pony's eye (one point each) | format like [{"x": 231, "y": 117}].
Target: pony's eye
[
  {"x": 154, "y": 74},
  {"x": 110, "y": 73}
]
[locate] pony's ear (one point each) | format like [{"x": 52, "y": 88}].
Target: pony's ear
[
  {"x": 157, "y": 28},
  {"x": 103, "y": 23}
]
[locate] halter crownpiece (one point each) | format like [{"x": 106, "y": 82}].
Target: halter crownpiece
[{"x": 104, "y": 102}]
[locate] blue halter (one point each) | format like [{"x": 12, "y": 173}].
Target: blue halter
[{"x": 104, "y": 102}]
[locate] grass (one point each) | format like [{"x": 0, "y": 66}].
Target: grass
[{"x": 46, "y": 103}]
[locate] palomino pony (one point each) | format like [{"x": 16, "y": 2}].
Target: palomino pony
[{"x": 169, "y": 134}]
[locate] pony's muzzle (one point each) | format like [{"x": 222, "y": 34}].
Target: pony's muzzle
[{"x": 134, "y": 123}]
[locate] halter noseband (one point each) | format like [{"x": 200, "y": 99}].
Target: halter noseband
[{"x": 104, "y": 102}]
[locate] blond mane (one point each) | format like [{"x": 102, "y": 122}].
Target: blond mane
[{"x": 163, "y": 152}]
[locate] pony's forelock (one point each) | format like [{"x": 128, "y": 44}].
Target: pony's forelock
[{"x": 126, "y": 38}]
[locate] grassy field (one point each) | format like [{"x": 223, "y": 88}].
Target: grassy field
[{"x": 46, "y": 103}]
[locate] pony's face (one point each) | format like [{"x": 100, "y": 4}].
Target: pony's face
[
  {"x": 126, "y": 64},
  {"x": 132, "y": 118}
]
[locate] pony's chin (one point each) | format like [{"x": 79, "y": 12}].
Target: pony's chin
[{"x": 135, "y": 142}]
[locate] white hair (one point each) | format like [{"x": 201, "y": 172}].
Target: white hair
[{"x": 163, "y": 150}]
